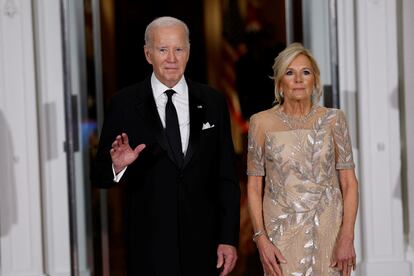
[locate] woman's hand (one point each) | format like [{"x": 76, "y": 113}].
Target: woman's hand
[
  {"x": 270, "y": 256},
  {"x": 122, "y": 154},
  {"x": 343, "y": 257}
]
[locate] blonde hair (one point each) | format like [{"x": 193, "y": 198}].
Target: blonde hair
[
  {"x": 282, "y": 62},
  {"x": 165, "y": 21}
]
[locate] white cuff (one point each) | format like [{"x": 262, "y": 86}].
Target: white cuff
[{"x": 117, "y": 177}]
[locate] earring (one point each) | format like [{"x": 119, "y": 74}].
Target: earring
[{"x": 281, "y": 94}]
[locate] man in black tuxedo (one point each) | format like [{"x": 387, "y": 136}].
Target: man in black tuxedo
[{"x": 169, "y": 138}]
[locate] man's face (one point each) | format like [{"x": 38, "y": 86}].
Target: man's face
[{"x": 168, "y": 52}]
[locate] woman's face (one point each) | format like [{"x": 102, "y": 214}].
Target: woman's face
[{"x": 298, "y": 82}]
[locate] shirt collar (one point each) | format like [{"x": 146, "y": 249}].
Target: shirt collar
[{"x": 158, "y": 88}]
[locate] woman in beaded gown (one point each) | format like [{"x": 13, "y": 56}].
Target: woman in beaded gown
[{"x": 304, "y": 211}]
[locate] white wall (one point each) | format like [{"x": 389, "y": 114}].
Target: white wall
[
  {"x": 379, "y": 137},
  {"x": 20, "y": 204},
  {"x": 34, "y": 199}
]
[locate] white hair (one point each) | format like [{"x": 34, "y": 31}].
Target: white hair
[{"x": 165, "y": 21}]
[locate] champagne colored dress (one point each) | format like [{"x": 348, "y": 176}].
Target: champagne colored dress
[{"x": 302, "y": 202}]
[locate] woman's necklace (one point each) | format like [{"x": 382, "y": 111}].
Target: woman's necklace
[{"x": 295, "y": 122}]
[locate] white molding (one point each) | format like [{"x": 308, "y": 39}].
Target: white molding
[
  {"x": 25, "y": 274},
  {"x": 81, "y": 273},
  {"x": 347, "y": 66},
  {"x": 316, "y": 34},
  {"x": 379, "y": 134},
  {"x": 410, "y": 256},
  {"x": 347, "y": 92},
  {"x": 52, "y": 135},
  {"x": 20, "y": 220},
  {"x": 408, "y": 83},
  {"x": 79, "y": 88}
]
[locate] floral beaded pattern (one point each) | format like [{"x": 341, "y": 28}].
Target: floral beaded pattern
[
  {"x": 295, "y": 123},
  {"x": 302, "y": 204}
]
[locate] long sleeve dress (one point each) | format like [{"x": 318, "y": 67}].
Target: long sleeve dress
[{"x": 302, "y": 201}]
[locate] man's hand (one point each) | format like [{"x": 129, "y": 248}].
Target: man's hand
[
  {"x": 226, "y": 258},
  {"x": 122, "y": 154}
]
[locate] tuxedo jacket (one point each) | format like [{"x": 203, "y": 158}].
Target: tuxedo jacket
[{"x": 175, "y": 216}]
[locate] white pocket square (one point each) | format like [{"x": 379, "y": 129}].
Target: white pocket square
[{"x": 207, "y": 126}]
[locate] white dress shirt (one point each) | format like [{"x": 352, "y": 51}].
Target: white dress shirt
[{"x": 180, "y": 101}]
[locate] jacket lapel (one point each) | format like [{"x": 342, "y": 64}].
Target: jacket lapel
[
  {"x": 197, "y": 114},
  {"x": 148, "y": 110}
]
